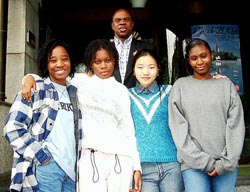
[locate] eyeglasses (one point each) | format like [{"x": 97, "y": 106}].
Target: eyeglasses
[{"x": 106, "y": 61}]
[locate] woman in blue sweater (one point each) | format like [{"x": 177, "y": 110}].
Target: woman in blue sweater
[{"x": 149, "y": 100}]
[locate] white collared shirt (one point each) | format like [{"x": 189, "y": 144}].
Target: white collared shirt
[{"x": 123, "y": 51}]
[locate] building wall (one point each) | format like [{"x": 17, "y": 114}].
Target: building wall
[
  {"x": 23, "y": 22},
  {"x": 5, "y": 150}
]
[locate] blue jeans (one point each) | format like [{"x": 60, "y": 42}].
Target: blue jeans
[
  {"x": 199, "y": 181},
  {"x": 161, "y": 177},
  {"x": 51, "y": 177}
]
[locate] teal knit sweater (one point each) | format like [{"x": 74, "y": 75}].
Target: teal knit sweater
[{"x": 150, "y": 114}]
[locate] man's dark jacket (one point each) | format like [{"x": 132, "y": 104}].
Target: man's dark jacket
[{"x": 130, "y": 79}]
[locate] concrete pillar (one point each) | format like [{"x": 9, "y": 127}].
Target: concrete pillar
[
  {"x": 15, "y": 53},
  {"x": 23, "y": 19},
  {"x": 3, "y": 33}
]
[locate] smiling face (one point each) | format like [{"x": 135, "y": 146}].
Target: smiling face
[
  {"x": 146, "y": 70},
  {"x": 122, "y": 24},
  {"x": 59, "y": 65},
  {"x": 200, "y": 59},
  {"x": 103, "y": 64}
]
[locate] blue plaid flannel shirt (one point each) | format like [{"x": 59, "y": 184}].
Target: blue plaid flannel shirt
[{"x": 27, "y": 126}]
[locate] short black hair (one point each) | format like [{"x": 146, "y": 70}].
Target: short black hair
[
  {"x": 122, "y": 9},
  {"x": 194, "y": 42},
  {"x": 45, "y": 53},
  {"x": 96, "y": 45}
]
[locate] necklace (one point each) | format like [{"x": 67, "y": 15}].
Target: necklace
[{"x": 60, "y": 91}]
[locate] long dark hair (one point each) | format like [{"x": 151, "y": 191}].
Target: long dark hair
[{"x": 45, "y": 53}]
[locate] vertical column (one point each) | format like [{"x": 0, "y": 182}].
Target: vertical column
[
  {"x": 3, "y": 33},
  {"x": 15, "y": 53}
]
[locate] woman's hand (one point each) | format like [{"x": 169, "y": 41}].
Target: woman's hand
[
  {"x": 219, "y": 76},
  {"x": 29, "y": 82},
  {"x": 212, "y": 173},
  {"x": 137, "y": 181}
]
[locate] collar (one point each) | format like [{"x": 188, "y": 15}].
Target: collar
[
  {"x": 147, "y": 90},
  {"x": 126, "y": 42},
  {"x": 49, "y": 85},
  {"x": 96, "y": 78}
]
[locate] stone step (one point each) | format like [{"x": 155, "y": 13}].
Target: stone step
[{"x": 243, "y": 180}]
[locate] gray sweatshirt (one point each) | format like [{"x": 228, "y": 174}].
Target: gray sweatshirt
[{"x": 207, "y": 123}]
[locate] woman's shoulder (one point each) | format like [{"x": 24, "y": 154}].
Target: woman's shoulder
[
  {"x": 81, "y": 75},
  {"x": 224, "y": 82},
  {"x": 79, "y": 78},
  {"x": 131, "y": 89},
  {"x": 42, "y": 83},
  {"x": 167, "y": 86},
  {"x": 118, "y": 87},
  {"x": 182, "y": 79}
]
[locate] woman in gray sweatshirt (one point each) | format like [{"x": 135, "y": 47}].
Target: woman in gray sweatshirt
[{"x": 207, "y": 123}]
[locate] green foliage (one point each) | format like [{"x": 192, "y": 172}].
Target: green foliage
[{"x": 244, "y": 171}]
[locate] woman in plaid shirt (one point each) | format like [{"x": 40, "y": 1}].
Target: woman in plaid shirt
[{"x": 45, "y": 150}]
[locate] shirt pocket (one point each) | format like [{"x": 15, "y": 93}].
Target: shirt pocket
[
  {"x": 39, "y": 117},
  {"x": 41, "y": 110}
]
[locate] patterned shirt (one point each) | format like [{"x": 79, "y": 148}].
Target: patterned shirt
[
  {"x": 27, "y": 126},
  {"x": 123, "y": 50}
]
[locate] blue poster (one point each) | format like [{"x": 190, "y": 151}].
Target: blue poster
[{"x": 225, "y": 44}]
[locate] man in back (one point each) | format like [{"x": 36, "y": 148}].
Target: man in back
[{"x": 127, "y": 46}]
